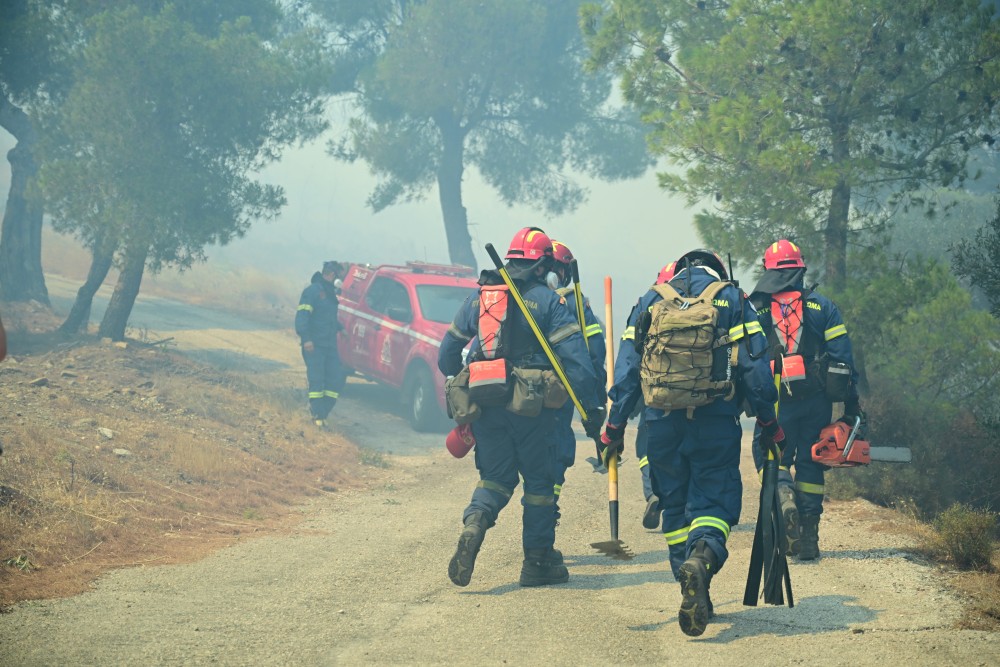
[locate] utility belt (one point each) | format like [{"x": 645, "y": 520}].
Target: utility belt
[
  {"x": 803, "y": 378},
  {"x": 497, "y": 383}
]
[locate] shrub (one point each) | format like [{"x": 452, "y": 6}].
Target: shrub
[{"x": 966, "y": 536}]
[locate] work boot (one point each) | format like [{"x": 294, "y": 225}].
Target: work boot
[
  {"x": 695, "y": 578},
  {"x": 790, "y": 515},
  {"x": 542, "y": 567},
  {"x": 651, "y": 517},
  {"x": 462, "y": 563},
  {"x": 809, "y": 542}
]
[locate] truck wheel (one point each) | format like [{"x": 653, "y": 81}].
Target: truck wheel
[{"x": 424, "y": 412}]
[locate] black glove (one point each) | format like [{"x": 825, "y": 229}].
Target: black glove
[
  {"x": 612, "y": 443},
  {"x": 771, "y": 433},
  {"x": 852, "y": 410},
  {"x": 595, "y": 420}
]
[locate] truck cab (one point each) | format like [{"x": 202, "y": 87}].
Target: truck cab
[{"x": 394, "y": 318}]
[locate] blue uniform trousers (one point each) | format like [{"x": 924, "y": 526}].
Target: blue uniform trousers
[
  {"x": 508, "y": 445},
  {"x": 564, "y": 447},
  {"x": 695, "y": 467},
  {"x": 801, "y": 421},
  {"x": 642, "y": 455},
  {"x": 325, "y": 379}
]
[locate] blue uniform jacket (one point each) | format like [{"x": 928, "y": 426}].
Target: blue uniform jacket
[
  {"x": 316, "y": 319},
  {"x": 753, "y": 376},
  {"x": 556, "y": 322},
  {"x": 826, "y": 326},
  {"x": 596, "y": 345}
]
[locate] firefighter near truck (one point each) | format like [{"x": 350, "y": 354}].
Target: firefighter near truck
[{"x": 393, "y": 319}]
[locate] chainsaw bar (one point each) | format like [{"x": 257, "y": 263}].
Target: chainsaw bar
[{"x": 891, "y": 454}]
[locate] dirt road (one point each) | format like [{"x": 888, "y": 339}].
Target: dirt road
[{"x": 362, "y": 580}]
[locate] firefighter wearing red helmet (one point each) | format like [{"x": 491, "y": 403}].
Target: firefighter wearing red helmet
[
  {"x": 564, "y": 439},
  {"x": 818, "y": 370},
  {"x": 513, "y": 444},
  {"x": 693, "y": 451}
]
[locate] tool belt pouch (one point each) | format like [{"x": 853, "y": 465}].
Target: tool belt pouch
[
  {"x": 555, "y": 393},
  {"x": 838, "y": 382},
  {"x": 461, "y": 407},
  {"x": 490, "y": 382},
  {"x": 528, "y": 398},
  {"x": 799, "y": 380}
]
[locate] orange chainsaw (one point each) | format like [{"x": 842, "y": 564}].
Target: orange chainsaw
[{"x": 840, "y": 447}]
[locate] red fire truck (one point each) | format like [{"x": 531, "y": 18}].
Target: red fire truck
[{"x": 394, "y": 318}]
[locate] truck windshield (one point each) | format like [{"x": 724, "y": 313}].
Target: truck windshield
[{"x": 439, "y": 303}]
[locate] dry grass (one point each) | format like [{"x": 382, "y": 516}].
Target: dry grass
[{"x": 204, "y": 458}]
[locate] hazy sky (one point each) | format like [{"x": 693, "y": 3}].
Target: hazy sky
[{"x": 627, "y": 229}]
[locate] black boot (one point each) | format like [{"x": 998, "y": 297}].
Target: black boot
[
  {"x": 790, "y": 515},
  {"x": 809, "y": 543},
  {"x": 695, "y": 577},
  {"x": 462, "y": 563},
  {"x": 542, "y": 567},
  {"x": 651, "y": 517}
]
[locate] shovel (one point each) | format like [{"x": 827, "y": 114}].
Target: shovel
[{"x": 614, "y": 547}]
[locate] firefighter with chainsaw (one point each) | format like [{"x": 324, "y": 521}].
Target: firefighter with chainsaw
[
  {"x": 560, "y": 279},
  {"x": 651, "y": 516},
  {"x": 317, "y": 324},
  {"x": 818, "y": 370},
  {"x": 509, "y": 394},
  {"x": 697, "y": 351}
]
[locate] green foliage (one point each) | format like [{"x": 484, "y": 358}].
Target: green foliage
[
  {"x": 171, "y": 111},
  {"x": 791, "y": 118},
  {"x": 967, "y": 536},
  {"x": 977, "y": 260},
  {"x": 932, "y": 367},
  {"x": 499, "y": 85}
]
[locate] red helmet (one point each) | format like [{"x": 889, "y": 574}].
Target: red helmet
[
  {"x": 703, "y": 257},
  {"x": 530, "y": 243},
  {"x": 666, "y": 273},
  {"x": 561, "y": 253},
  {"x": 783, "y": 254}
]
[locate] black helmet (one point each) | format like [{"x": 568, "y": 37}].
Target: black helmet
[{"x": 703, "y": 257}]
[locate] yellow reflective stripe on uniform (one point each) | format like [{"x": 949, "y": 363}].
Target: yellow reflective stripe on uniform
[
  {"x": 751, "y": 328},
  {"x": 677, "y": 536},
  {"x": 454, "y": 331},
  {"x": 535, "y": 499},
  {"x": 643, "y": 462},
  {"x": 493, "y": 486},
  {"x": 315, "y": 394},
  {"x": 593, "y": 330},
  {"x": 629, "y": 333},
  {"x": 331, "y": 394},
  {"x": 835, "y": 332},
  {"x": 305, "y": 306},
  {"x": 806, "y": 487},
  {"x": 711, "y": 522},
  {"x": 557, "y": 488},
  {"x": 562, "y": 333}
]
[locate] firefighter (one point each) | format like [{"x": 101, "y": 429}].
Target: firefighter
[
  {"x": 694, "y": 453},
  {"x": 808, "y": 330},
  {"x": 560, "y": 279},
  {"x": 317, "y": 325},
  {"x": 509, "y": 444},
  {"x": 651, "y": 516}
]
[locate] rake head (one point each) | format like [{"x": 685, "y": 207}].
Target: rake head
[{"x": 614, "y": 549}]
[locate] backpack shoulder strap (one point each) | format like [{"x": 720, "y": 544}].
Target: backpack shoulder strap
[
  {"x": 667, "y": 292},
  {"x": 564, "y": 291},
  {"x": 713, "y": 289}
]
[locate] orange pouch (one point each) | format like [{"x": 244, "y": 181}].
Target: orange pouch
[
  {"x": 489, "y": 382},
  {"x": 793, "y": 367}
]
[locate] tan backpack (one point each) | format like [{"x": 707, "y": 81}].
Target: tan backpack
[{"x": 677, "y": 351}]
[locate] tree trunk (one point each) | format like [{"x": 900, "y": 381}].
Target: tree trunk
[
  {"x": 449, "y": 177},
  {"x": 100, "y": 265},
  {"x": 21, "y": 277},
  {"x": 839, "y": 214},
  {"x": 123, "y": 298}
]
